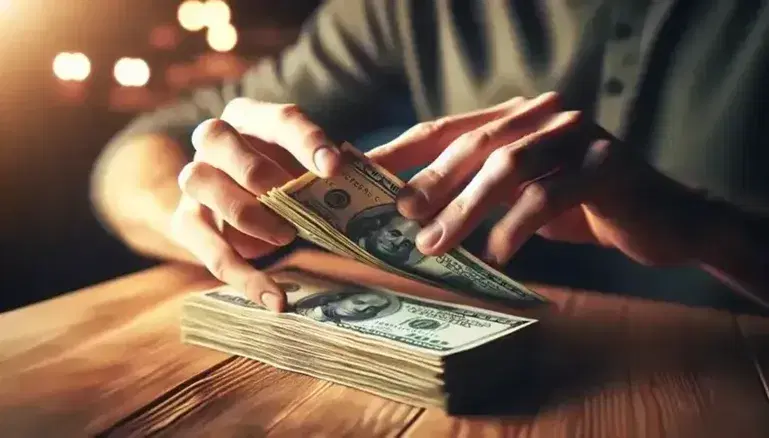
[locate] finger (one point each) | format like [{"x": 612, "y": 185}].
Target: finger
[
  {"x": 457, "y": 219},
  {"x": 502, "y": 173},
  {"x": 288, "y": 127},
  {"x": 217, "y": 191},
  {"x": 433, "y": 186},
  {"x": 194, "y": 230},
  {"x": 540, "y": 202},
  {"x": 277, "y": 154},
  {"x": 248, "y": 247},
  {"x": 220, "y": 145},
  {"x": 571, "y": 226},
  {"x": 423, "y": 142}
]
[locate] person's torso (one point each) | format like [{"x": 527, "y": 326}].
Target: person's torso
[{"x": 682, "y": 80}]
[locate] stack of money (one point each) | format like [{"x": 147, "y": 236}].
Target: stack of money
[
  {"x": 412, "y": 350},
  {"x": 408, "y": 349},
  {"x": 354, "y": 215}
]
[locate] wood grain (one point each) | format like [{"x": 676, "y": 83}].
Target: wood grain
[
  {"x": 247, "y": 398},
  {"x": 627, "y": 369},
  {"x": 755, "y": 330},
  {"x": 108, "y": 360},
  {"x": 77, "y": 364}
]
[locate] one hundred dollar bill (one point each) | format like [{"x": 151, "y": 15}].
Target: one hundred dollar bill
[
  {"x": 379, "y": 315},
  {"x": 354, "y": 214},
  {"x": 409, "y": 349}
]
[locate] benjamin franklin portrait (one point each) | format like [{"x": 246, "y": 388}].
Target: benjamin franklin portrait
[
  {"x": 387, "y": 235},
  {"x": 348, "y": 305}
]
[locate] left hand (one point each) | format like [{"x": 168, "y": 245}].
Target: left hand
[{"x": 557, "y": 176}]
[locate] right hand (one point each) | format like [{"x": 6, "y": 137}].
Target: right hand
[{"x": 252, "y": 148}]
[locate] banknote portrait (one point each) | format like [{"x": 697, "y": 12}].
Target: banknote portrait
[
  {"x": 348, "y": 305},
  {"x": 387, "y": 235}
]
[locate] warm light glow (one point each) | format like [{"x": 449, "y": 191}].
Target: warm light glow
[
  {"x": 192, "y": 15},
  {"x": 222, "y": 38},
  {"x": 132, "y": 72},
  {"x": 165, "y": 37},
  {"x": 5, "y": 5},
  {"x": 217, "y": 13},
  {"x": 71, "y": 66}
]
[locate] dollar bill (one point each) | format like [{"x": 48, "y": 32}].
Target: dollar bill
[
  {"x": 354, "y": 214},
  {"x": 405, "y": 348},
  {"x": 383, "y": 315}
]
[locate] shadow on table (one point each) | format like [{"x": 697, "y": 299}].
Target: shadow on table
[
  {"x": 608, "y": 341},
  {"x": 579, "y": 356}
]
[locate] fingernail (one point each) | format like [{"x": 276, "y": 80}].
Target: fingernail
[
  {"x": 199, "y": 133},
  {"x": 284, "y": 236},
  {"x": 270, "y": 301},
  {"x": 410, "y": 202},
  {"x": 490, "y": 258},
  {"x": 430, "y": 236},
  {"x": 208, "y": 128},
  {"x": 326, "y": 159}
]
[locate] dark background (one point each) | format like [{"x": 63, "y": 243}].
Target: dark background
[{"x": 49, "y": 240}]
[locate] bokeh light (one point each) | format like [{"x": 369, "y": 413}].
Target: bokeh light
[
  {"x": 192, "y": 15},
  {"x": 217, "y": 13},
  {"x": 71, "y": 66},
  {"x": 222, "y": 38},
  {"x": 132, "y": 72}
]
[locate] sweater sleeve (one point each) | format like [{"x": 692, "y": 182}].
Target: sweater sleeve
[{"x": 344, "y": 60}]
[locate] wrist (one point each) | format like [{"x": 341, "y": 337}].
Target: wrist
[{"x": 736, "y": 250}]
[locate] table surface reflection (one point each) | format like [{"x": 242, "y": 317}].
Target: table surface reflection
[{"x": 107, "y": 360}]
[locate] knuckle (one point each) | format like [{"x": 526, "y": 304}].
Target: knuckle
[
  {"x": 428, "y": 129},
  {"x": 253, "y": 171},
  {"x": 190, "y": 175},
  {"x": 475, "y": 140},
  {"x": 461, "y": 206},
  {"x": 289, "y": 112},
  {"x": 459, "y": 209},
  {"x": 504, "y": 160},
  {"x": 211, "y": 131},
  {"x": 315, "y": 136},
  {"x": 538, "y": 196}
]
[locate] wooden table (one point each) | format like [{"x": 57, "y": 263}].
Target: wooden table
[{"x": 107, "y": 360}]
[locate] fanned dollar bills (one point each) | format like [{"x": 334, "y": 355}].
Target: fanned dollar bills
[
  {"x": 416, "y": 351},
  {"x": 354, "y": 215}
]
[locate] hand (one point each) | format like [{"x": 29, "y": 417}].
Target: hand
[
  {"x": 555, "y": 174},
  {"x": 254, "y": 147}
]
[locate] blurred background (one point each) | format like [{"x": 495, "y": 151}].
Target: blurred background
[{"x": 74, "y": 72}]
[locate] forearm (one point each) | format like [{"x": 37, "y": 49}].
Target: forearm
[
  {"x": 737, "y": 252},
  {"x": 143, "y": 224},
  {"x": 660, "y": 221},
  {"x": 135, "y": 192}
]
